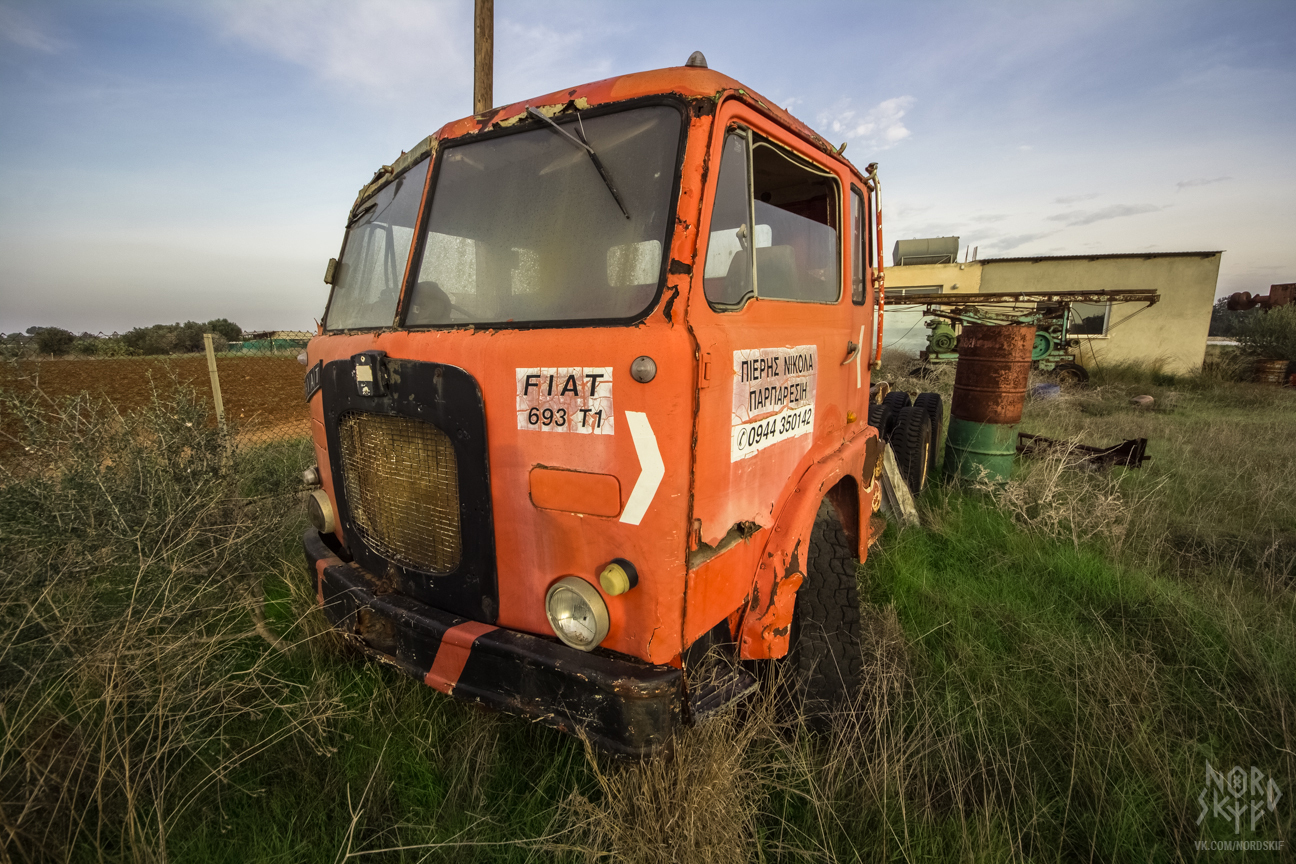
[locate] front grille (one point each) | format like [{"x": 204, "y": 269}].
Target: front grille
[{"x": 402, "y": 489}]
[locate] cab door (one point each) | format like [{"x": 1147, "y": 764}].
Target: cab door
[{"x": 774, "y": 327}]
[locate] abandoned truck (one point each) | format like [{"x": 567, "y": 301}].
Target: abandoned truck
[{"x": 590, "y": 403}]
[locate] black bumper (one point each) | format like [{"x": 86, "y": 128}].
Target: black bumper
[{"x": 621, "y": 706}]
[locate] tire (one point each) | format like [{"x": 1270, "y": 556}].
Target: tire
[
  {"x": 935, "y": 408},
  {"x": 824, "y": 661},
  {"x": 913, "y": 446},
  {"x": 896, "y": 401},
  {"x": 879, "y": 417},
  {"x": 1071, "y": 373}
]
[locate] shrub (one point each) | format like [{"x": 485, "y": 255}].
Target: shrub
[
  {"x": 1271, "y": 335},
  {"x": 223, "y": 327},
  {"x": 52, "y": 340}
]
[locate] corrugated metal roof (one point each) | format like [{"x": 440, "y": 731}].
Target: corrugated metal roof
[{"x": 1144, "y": 255}]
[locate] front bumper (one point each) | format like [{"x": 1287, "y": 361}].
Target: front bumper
[{"x": 620, "y": 705}]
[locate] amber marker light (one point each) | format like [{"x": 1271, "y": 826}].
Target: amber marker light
[
  {"x": 618, "y": 577},
  {"x": 577, "y": 613}
]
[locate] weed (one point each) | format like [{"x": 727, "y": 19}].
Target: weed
[{"x": 130, "y": 691}]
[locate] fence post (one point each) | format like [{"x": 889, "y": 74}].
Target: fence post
[{"x": 215, "y": 383}]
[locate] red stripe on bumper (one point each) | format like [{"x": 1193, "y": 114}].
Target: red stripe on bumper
[
  {"x": 452, "y": 656},
  {"x": 320, "y": 566}
]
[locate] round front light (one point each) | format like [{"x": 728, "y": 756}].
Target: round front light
[
  {"x": 577, "y": 613},
  {"x": 320, "y": 512}
]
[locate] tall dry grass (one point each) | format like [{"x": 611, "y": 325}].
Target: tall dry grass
[{"x": 128, "y": 687}]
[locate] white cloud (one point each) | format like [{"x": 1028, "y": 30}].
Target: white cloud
[
  {"x": 1007, "y": 244},
  {"x": 22, "y": 31},
  {"x": 882, "y": 127},
  {"x": 382, "y": 48},
  {"x": 1200, "y": 181},
  {"x": 1075, "y": 199},
  {"x": 1088, "y": 217}
]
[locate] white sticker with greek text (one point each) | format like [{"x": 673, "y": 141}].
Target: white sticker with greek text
[
  {"x": 774, "y": 397},
  {"x": 566, "y": 399}
]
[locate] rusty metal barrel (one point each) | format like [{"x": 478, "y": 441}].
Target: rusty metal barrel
[
  {"x": 1270, "y": 372},
  {"x": 989, "y": 391}
]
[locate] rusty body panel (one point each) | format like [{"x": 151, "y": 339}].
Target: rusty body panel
[
  {"x": 716, "y": 533},
  {"x": 993, "y": 372}
]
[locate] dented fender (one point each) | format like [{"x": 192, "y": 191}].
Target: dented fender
[{"x": 848, "y": 476}]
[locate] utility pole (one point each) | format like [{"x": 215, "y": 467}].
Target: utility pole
[{"x": 484, "y": 55}]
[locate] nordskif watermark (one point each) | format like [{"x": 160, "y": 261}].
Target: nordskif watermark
[{"x": 1240, "y": 793}]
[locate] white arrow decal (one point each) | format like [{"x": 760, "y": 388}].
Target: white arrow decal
[{"x": 651, "y": 468}]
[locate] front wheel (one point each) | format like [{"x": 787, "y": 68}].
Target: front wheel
[{"x": 824, "y": 660}]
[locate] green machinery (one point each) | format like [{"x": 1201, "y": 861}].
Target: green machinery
[{"x": 1049, "y": 312}]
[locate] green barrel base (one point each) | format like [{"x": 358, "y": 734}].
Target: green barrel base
[{"x": 971, "y": 447}]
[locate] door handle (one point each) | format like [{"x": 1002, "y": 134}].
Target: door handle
[{"x": 851, "y": 351}]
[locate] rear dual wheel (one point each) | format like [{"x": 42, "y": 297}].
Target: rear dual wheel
[
  {"x": 913, "y": 431},
  {"x": 914, "y": 448}
]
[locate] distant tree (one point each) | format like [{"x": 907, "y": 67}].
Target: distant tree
[
  {"x": 189, "y": 337},
  {"x": 231, "y": 331},
  {"x": 86, "y": 344},
  {"x": 1227, "y": 324},
  {"x": 114, "y": 346},
  {"x": 52, "y": 340},
  {"x": 158, "y": 339}
]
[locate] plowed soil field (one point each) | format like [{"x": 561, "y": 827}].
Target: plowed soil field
[{"x": 262, "y": 395}]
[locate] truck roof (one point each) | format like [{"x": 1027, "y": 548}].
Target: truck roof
[{"x": 689, "y": 82}]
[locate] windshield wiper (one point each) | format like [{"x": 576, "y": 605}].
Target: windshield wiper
[{"x": 584, "y": 145}]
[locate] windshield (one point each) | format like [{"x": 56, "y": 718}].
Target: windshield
[
  {"x": 367, "y": 285},
  {"x": 528, "y": 227}
]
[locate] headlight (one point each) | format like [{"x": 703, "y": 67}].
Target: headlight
[
  {"x": 577, "y": 613},
  {"x": 320, "y": 510}
]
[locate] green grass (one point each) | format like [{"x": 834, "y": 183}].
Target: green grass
[{"x": 1028, "y": 697}]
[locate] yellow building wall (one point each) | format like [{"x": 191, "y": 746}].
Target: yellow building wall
[
  {"x": 902, "y": 328},
  {"x": 966, "y": 276},
  {"x": 1170, "y": 334}
]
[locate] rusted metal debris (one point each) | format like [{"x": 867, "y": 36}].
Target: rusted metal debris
[
  {"x": 1279, "y": 295},
  {"x": 1130, "y": 453}
]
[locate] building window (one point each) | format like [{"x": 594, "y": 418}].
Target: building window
[
  {"x": 1089, "y": 319},
  {"x": 895, "y": 293}
]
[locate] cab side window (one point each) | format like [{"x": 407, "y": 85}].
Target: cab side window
[
  {"x": 858, "y": 248},
  {"x": 727, "y": 278},
  {"x": 796, "y": 227},
  {"x": 774, "y": 227}
]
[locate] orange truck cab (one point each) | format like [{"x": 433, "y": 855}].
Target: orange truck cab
[{"x": 590, "y": 405}]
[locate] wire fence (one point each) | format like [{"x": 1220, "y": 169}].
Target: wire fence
[{"x": 253, "y": 390}]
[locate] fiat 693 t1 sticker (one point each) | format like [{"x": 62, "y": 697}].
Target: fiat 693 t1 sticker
[
  {"x": 567, "y": 399},
  {"x": 774, "y": 397}
]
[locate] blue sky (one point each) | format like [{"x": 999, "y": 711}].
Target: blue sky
[{"x": 166, "y": 161}]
